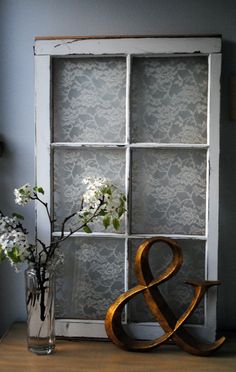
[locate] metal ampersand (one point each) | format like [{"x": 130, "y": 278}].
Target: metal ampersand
[{"x": 172, "y": 326}]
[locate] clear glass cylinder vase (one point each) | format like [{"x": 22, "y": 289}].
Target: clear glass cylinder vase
[{"x": 40, "y": 284}]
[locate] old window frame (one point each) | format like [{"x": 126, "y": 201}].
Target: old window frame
[{"x": 47, "y": 48}]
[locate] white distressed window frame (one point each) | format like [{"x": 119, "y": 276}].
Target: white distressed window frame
[{"x": 47, "y": 48}]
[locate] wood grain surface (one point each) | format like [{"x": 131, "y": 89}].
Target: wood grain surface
[{"x": 104, "y": 356}]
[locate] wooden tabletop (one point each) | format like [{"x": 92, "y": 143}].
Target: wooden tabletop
[{"x": 104, "y": 356}]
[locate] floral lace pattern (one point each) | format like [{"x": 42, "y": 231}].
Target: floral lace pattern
[
  {"x": 169, "y": 100},
  {"x": 89, "y": 99},
  {"x": 168, "y": 104},
  {"x": 168, "y": 191},
  {"x": 91, "y": 277},
  {"x": 72, "y": 166},
  {"x": 177, "y": 294}
]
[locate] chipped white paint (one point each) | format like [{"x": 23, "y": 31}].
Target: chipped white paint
[
  {"x": 128, "y": 46},
  {"x": 211, "y": 46},
  {"x": 88, "y": 144},
  {"x": 127, "y": 175},
  {"x": 213, "y": 187},
  {"x": 135, "y": 236},
  {"x": 42, "y": 119},
  {"x": 131, "y": 145},
  {"x": 74, "y": 327}
]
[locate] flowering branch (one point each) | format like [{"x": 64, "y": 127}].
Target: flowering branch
[{"x": 102, "y": 200}]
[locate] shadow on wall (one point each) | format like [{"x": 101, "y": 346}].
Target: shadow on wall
[
  {"x": 7, "y": 157},
  {"x": 1, "y": 147},
  {"x": 12, "y": 297},
  {"x": 227, "y": 197}
]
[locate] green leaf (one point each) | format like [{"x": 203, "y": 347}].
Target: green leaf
[
  {"x": 2, "y": 255},
  {"x": 85, "y": 215},
  {"x": 122, "y": 200},
  {"x": 14, "y": 255},
  {"x": 121, "y": 211},
  {"x": 17, "y": 215},
  {"x": 39, "y": 189},
  {"x": 87, "y": 229},
  {"x": 106, "y": 221},
  {"x": 106, "y": 190},
  {"x": 116, "y": 223},
  {"x": 102, "y": 212}
]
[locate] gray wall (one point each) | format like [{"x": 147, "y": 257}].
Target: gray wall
[{"x": 21, "y": 20}]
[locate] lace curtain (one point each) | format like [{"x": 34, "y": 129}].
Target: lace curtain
[{"x": 168, "y": 105}]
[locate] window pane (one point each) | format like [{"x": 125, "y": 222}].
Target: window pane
[
  {"x": 169, "y": 100},
  {"x": 72, "y": 166},
  {"x": 91, "y": 277},
  {"x": 89, "y": 99},
  {"x": 177, "y": 294},
  {"x": 168, "y": 191}
]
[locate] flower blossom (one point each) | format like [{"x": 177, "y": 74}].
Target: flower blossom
[
  {"x": 7, "y": 223},
  {"x": 102, "y": 195},
  {"x": 15, "y": 246},
  {"x": 96, "y": 189},
  {"x": 101, "y": 200},
  {"x": 23, "y": 194}
]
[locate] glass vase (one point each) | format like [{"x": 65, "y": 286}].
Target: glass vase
[{"x": 40, "y": 293}]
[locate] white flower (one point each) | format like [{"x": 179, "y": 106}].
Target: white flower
[
  {"x": 14, "y": 240},
  {"x": 7, "y": 223},
  {"x": 100, "y": 188},
  {"x": 96, "y": 188},
  {"x": 103, "y": 197},
  {"x": 23, "y": 194},
  {"x": 100, "y": 200}
]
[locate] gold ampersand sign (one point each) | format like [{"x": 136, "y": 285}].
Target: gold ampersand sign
[{"x": 172, "y": 326}]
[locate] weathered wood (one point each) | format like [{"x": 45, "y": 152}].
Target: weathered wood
[
  {"x": 43, "y": 135},
  {"x": 122, "y": 36},
  {"x": 127, "y": 45},
  {"x": 176, "y": 45},
  {"x": 212, "y": 186}
]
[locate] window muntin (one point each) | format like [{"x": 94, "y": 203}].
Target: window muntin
[{"x": 167, "y": 186}]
